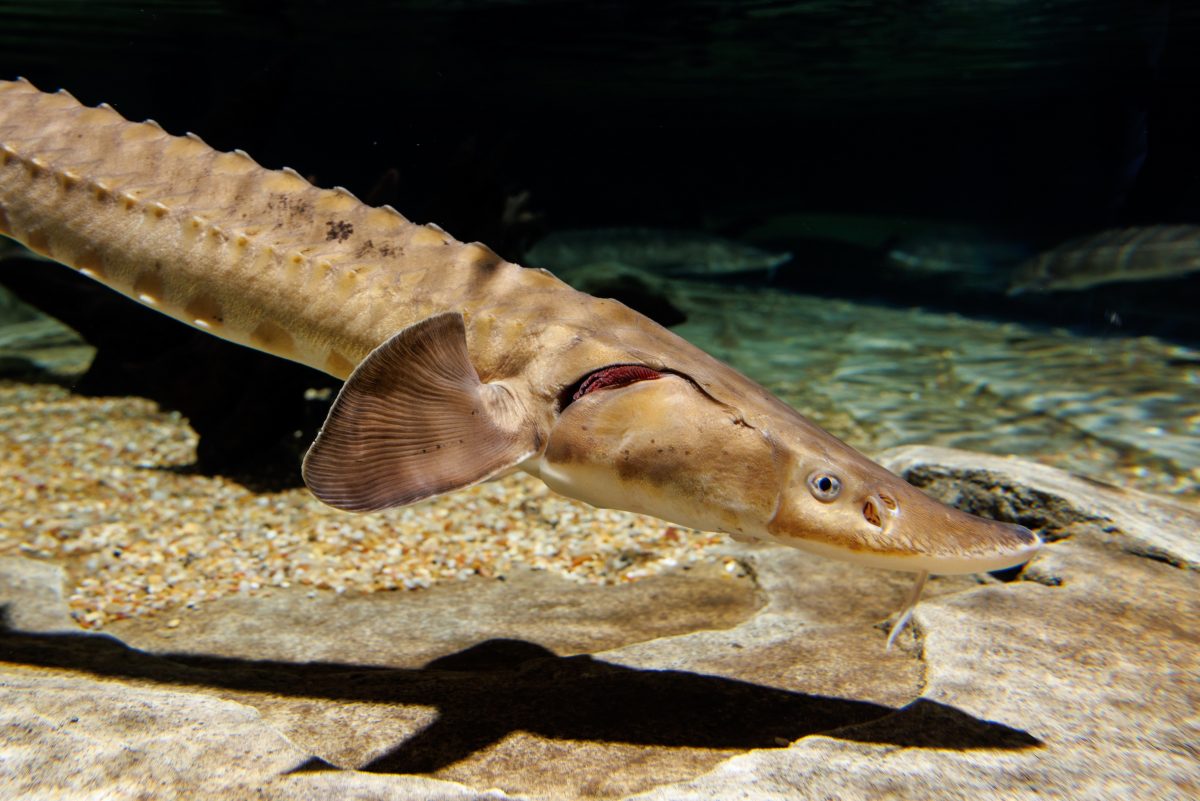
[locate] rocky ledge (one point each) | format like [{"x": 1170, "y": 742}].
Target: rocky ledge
[{"x": 1076, "y": 678}]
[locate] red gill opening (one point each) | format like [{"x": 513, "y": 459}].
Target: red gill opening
[{"x": 617, "y": 376}]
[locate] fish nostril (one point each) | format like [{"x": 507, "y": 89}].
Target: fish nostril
[
  {"x": 887, "y": 501},
  {"x": 871, "y": 513}
]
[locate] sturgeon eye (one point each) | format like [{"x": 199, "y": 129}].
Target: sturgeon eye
[{"x": 824, "y": 486}]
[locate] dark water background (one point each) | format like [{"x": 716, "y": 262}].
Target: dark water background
[
  {"x": 1050, "y": 118},
  {"x": 1038, "y": 121}
]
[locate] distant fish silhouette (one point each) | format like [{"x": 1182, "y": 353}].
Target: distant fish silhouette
[
  {"x": 667, "y": 252},
  {"x": 936, "y": 255},
  {"x": 981, "y": 263},
  {"x": 1126, "y": 254}
]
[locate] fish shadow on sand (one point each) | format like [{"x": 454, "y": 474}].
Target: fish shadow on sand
[{"x": 498, "y": 687}]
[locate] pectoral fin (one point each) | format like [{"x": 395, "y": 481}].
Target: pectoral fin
[{"x": 414, "y": 421}]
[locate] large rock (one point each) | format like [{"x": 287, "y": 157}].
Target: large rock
[
  {"x": 1054, "y": 501},
  {"x": 1092, "y": 663},
  {"x": 1076, "y": 679}
]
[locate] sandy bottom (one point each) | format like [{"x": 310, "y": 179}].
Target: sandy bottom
[{"x": 102, "y": 486}]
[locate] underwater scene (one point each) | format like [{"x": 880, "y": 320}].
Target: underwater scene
[{"x": 329, "y": 498}]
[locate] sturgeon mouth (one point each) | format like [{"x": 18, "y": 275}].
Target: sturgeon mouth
[{"x": 1025, "y": 546}]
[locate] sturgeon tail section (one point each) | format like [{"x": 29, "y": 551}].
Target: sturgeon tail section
[{"x": 257, "y": 256}]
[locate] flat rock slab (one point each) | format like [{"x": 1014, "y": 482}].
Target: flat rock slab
[
  {"x": 1076, "y": 679},
  {"x": 1053, "y": 501},
  {"x": 410, "y": 629}
]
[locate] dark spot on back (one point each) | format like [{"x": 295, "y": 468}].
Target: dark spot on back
[
  {"x": 488, "y": 266},
  {"x": 298, "y": 209},
  {"x": 339, "y": 230}
]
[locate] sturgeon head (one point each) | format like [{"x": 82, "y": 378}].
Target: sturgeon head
[{"x": 661, "y": 443}]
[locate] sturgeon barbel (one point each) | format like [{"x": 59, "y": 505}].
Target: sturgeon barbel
[{"x": 459, "y": 366}]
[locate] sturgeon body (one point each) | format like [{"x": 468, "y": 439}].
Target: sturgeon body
[
  {"x": 460, "y": 366},
  {"x": 1144, "y": 253}
]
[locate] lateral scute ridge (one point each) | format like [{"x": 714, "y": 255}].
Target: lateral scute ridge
[{"x": 246, "y": 156}]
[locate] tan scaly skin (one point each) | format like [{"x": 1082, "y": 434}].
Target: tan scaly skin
[{"x": 460, "y": 366}]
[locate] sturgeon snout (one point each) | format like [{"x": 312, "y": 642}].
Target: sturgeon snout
[{"x": 850, "y": 508}]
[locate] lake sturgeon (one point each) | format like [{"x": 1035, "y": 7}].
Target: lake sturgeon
[{"x": 459, "y": 366}]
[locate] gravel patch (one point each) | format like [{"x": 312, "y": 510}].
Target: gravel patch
[{"x": 102, "y": 486}]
